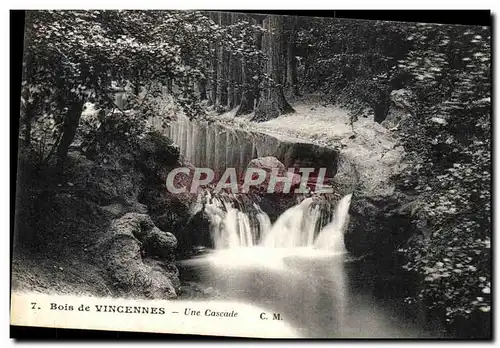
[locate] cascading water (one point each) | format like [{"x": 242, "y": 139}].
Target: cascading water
[
  {"x": 234, "y": 225},
  {"x": 331, "y": 236},
  {"x": 293, "y": 228}
]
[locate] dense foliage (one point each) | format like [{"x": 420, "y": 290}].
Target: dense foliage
[
  {"x": 351, "y": 62},
  {"x": 449, "y": 144},
  {"x": 74, "y": 57}
]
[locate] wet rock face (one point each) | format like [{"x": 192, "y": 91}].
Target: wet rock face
[
  {"x": 378, "y": 224},
  {"x": 303, "y": 155},
  {"x": 275, "y": 203},
  {"x": 170, "y": 212},
  {"x": 198, "y": 230}
]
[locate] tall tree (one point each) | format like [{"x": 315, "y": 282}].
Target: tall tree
[
  {"x": 215, "y": 17},
  {"x": 237, "y": 82},
  {"x": 222, "y": 66},
  {"x": 232, "y": 66},
  {"x": 202, "y": 89},
  {"x": 257, "y": 79},
  {"x": 272, "y": 102},
  {"x": 250, "y": 68},
  {"x": 247, "y": 96},
  {"x": 291, "y": 66}
]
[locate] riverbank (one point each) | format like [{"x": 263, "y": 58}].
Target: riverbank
[{"x": 86, "y": 231}]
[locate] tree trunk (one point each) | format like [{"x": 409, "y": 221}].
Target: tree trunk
[
  {"x": 248, "y": 85},
  {"x": 247, "y": 96},
  {"x": 291, "y": 70},
  {"x": 137, "y": 83},
  {"x": 285, "y": 38},
  {"x": 70, "y": 126},
  {"x": 202, "y": 89},
  {"x": 25, "y": 125},
  {"x": 237, "y": 82},
  {"x": 382, "y": 106},
  {"x": 234, "y": 95},
  {"x": 213, "y": 78},
  {"x": 234, "y": 73},
  {"x": 213, "y": 65},
  {"x": 222, "y": 67},
  {"x": 169, "y": 84},
  {"x": 230, "y": 68},
  {"x": 272, "y": 102},
  {"x": 230, "y": 85},
  {"x": 27, "y": 108},
  {"x": 258, "y": 43},
  {"x": 187, "y": 83}
]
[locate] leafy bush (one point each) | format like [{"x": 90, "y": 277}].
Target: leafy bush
[
  {"x": 448, "y": 141},
  {"x": 446, "y": 136}
]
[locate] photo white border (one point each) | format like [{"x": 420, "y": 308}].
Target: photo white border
[{"x": 191, "y": 4}]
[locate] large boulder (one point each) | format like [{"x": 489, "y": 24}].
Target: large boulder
[
  {"x": 170, "y": 212},
  {"x": 155, "y": 242},
  {"x": 369, "y": 162},
  {"x": 197, "y": 231},
  {"x": 400, "y": 108},
  {"x": 117, "y": 210},
  {"x": 138, "y": 258},
  {"x": 370, "y": 159},
  {"x": 267, "y": 164}
]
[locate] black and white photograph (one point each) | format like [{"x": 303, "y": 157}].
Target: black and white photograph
[{"x": 253, "y": 174}]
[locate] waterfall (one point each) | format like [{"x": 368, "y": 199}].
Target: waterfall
[
  {"x": 331, "y": 236},
  {"x": 291, "y": 227},
  {"x": 235, "y": 224},
  {"x": 238, "y": 222},
  {"x": 263, "y": 220}
]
